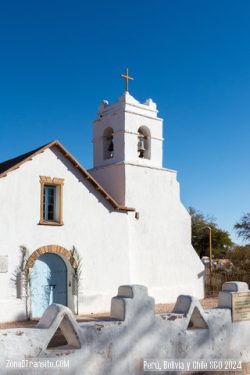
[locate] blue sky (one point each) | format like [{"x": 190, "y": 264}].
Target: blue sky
[{"x": 59, "y": 59}]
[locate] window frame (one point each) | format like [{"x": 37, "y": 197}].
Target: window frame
[{"x": 58, "y": 183}]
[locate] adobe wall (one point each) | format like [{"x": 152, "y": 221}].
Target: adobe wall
[
  {"x": 133, "y": 334},
  {"x": 90, "y": 224}
]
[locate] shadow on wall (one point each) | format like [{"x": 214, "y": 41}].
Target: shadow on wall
[{"x": 134, "y": 333}]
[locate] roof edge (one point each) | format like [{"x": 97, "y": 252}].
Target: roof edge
[{"x": 78, "y": 166}]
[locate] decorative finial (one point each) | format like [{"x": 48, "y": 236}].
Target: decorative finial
[{"x": 127, "y": 78}]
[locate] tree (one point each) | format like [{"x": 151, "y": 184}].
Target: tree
[
  {"x": 243, "y": 227},
  {"x": 240, "y": 257},
  {"x": 221, "y": 241}
]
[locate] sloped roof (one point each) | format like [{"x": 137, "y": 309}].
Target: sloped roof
[
  {"x": 8, "y": 165},
  {"x": 12, "y": 164}
]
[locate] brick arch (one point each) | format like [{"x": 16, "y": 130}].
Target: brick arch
[{"x": 51, "y": 249}]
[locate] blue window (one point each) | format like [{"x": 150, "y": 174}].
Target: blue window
[
  {"x": 49, "y": 203},
  {"x": 51, "y": 200}
]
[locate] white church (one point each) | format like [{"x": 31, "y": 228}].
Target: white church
[{"x": 124, "y": 217}]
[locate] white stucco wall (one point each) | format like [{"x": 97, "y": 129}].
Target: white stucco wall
[
  {"x": 90, "y": 223},
  {"x": 116, "y": 248},
  {"x": 161, "y": 252},
  {"x": 161, "y": 255},
  {"x": 113, "y": 180}
]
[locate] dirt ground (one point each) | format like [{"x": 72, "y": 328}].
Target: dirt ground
[{"x": 207, "y": 303}]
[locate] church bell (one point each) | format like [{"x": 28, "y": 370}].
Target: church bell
[
  {"x": 111, "y": 147},
  {"x": 141, "y": 147}
]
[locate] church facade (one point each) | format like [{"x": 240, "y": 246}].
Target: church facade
[{"x": 72, "y": 236}]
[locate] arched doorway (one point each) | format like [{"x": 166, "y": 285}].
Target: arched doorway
[{"x": 48, "y": 283}]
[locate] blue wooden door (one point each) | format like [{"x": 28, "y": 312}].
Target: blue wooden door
[{"x": 48, "y": 283}]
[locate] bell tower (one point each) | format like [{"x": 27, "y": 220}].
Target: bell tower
[
  {"x": 128, "y": 142},
  {"x": 125, "y": 132}
]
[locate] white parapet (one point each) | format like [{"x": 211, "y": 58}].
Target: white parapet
[{"x": 133, "y": 333}]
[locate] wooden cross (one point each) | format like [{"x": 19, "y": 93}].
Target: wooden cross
[{"x": 126, "y": 76}]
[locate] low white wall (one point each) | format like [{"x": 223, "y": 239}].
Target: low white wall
[{"x": 133, "y": 334}]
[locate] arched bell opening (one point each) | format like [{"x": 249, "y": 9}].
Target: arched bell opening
[
  {"x": 144, "y": 143},
  {"x": 108, "y": 143}
]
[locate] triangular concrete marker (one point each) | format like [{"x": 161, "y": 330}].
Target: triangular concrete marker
[
  {"x": 65, "y": 335},
  {"x": 190, "y": 308},
  {"x": 196, "y": 320},
  {"x": 58, "y": 339},
  {"x": 59, "y": 316}
]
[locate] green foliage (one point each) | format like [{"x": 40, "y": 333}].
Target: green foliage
[
  {"x": 240, "y": 257},
  {"x": 24, "y": 257},
  {"x": 77, "y": 260},
  {"x": 243, "y": 227},
  {"x": 221, "y": 241},
  {"x": 78, "y": 268}
]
